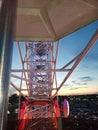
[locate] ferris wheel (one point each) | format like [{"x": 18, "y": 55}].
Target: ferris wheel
[
  {"x": 39, "y": 73},
  {"x": 39, "y": 25}
]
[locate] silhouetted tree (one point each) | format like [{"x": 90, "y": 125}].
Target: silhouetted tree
[{"x": 13, "y": 98}]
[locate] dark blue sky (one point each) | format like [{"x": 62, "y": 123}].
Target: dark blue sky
[{"x": 85, "y": 77}]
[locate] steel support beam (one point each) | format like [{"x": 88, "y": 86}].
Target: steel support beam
[
  {"x": 7, "y": 21},
  {"x": 38, "y": 71},
  {"x": 18, "y": 90},
  {"x": 78, "y": 59}
]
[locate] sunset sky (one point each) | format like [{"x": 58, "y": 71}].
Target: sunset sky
[{"x": 84, "y": 80}]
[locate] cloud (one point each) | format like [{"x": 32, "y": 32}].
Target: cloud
[
  {"x": 67, "y": 85},
  {"x": 75, "y": 88},
  {"x": 79, "y": 83},
  {"x": 86, "y": 79},
  {"x": 72, "y": 85},
  {"x": 82, "y": 81}
]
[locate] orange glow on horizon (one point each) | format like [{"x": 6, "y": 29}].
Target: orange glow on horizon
[{"x": 80, "y": 91}]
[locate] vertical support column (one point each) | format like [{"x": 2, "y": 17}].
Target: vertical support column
[
  {"x": 7, "y": 21},
  {"x": 59, "y": 118}
]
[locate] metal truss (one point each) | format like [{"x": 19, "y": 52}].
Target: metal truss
[
  {"x": 41, "y": 111},
  {"x": 39, "y": 73},
  {"x": 39, "y": 57},
  {"x": 38, "y": 69}
]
